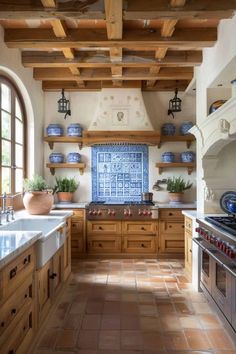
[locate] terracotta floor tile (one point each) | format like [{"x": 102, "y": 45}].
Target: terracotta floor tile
[
  {"x": 66, "y": 339},
  {"x": 43, "y": 351},
  {"x": 175, "y": 341},
  {"x": 49, "y": 338},
  {"x": 147, "y": 310},
  {"x": 150, "y": 324},
  {"x": 112, "y": 308},
  {"x": 190, "y": 322},
  {"x": 91, "y": 322},
  {"x": 165, "y": 308},
  {"x": 201, "y": 307},
  {"x": 210, "y": 321},
  {"x": 110, "y": 322},
  {"x": 170, "y": 322},
  {"x": 183, "y": 308},
  {"x": 77, "y": 307},
  {"x": 153, "y": 340},
  {"x": 113, "y": 296},
  {"x": 94, "y": 307},
  {"x": 109, "y": 339},
  {"x": 88, "y": 339},
  {"x": 72, "y": 321},
  {"x": 131, "y": 340},
  {"x": 86, "y": 351},
  {"x": 219, "y": 339},
  {"x": 130, "y": 322},
  {"x": 197, "y": 339},
  {"x": 129, "y": 308}
]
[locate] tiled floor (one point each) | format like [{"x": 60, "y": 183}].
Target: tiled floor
[{"x": 133, "y": 307}]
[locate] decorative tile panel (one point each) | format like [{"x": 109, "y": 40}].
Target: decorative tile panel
[{"x": 119, "y": 172}]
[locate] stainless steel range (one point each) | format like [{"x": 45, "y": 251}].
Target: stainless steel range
[
  {"x": 122, "y": 211},
  {"x": 217, "y": 252}
]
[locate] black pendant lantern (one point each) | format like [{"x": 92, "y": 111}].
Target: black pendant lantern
[
  {"x": 64, "y": 104},
  {"x": 174, "y": 104}
]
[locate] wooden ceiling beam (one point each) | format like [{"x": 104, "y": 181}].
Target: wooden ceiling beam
[
  {"x": 45, "y": 39},
  {"x": 49, "y": 3},
  {"x": 116, "y": 54},
  {"x": 177, "y": 3},
  {"x": 70, "y": 86},
  {"x": 167, "y": 85},
  {"x": 135, "y": 9},
  {"x": 99, "y": 74},
  {"x": 114, "y": 23}
]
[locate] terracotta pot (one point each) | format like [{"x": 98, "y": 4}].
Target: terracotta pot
[
  {"x": 176, "y": 197},
  {"x": 38, "y": 203},
  {"x": 65, "y": 197}
]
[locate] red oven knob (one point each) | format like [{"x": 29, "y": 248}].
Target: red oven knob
[
  {"x": 145, "y": 212},
  {"x": 99, "y": 212},
  {"x": 149, "y": 213},
  {"x": 94, "y": 212},
  {"x": 125, "y": 212},
  {"x": 113, "y": 213},
  {"x": 140, "y": 212},
  {"x": 90, "y": 212},
  {"x": 197, "y": 230}
]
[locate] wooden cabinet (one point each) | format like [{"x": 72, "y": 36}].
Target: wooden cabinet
[
  {"x": 103, "y": 227},
  {"x": 139, "y": 244},
  {"x": 139, "y": 227},
  {"x": 17, "y": 305},
  {"x": 67, "y": 250},
  {"x": 57, "y": 271},
  {"x": 188, "y": 246},
  {"x": 104, "y": 244},
  {"x": 78, "y": 235},
  {"x": 171, "y": 232}
]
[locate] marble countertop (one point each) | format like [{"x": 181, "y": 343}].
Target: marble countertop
[
  {"x": 13, "y": 243},
  {"x": 61, "y": 214},
  {"x": 82, "y": 205},
  {"x": 192, "y": 214}
]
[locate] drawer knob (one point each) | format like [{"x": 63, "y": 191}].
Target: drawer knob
[
  {"x": 11, "y": 351},
  {"x": 13, "y": 311},
  {"x": 99, "y": 245},
  {"x": 183, "y": 226},
  {"x": 26, "y": 295},
  {"x": 190, "y": 251},
  {"x": 170, "y": 226},
  {"x": 100, "y": 228},
  {"x": 53, "y": 275},
  {"x": 143, "y": 228},
  {"x": 13, "y": 272},
  {"x": 142, "y": 245},
  {"x": 2, "y": 324},
  {"x": 170, "y": 214}
]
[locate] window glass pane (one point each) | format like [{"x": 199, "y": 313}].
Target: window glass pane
[
  {"x": 6, "y": 153},
  {"x": 6, "y": 180},
  {"x": 18, "y": 109},
  {"x": 19, "y": 131},
  {"x": 6, "y": 97},
  {"x": 19, "y": 155},
  {"x": 19, "y": 181},
  {"x": 6, "y": 125}
]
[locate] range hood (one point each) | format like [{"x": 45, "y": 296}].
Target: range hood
[{"x": 121, "y": 110}]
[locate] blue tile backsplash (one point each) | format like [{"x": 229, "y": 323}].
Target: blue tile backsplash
[{"x": 119, "y": 172}]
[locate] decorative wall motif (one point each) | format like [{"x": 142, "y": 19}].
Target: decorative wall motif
[{"x": 119, "y": 172}]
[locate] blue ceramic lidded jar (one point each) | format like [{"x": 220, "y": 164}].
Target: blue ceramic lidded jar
[
  {"x": 74, "y": 129},
  {"x": 187, "y": 156},
  {"x": 168, "y": 129},
  {"x": 54, "y": 130},
  {"x": 168, "y": 157},
  {"x": 184, "y": 128},
  {"x": 231, "y": 205},
  {"x": 73, "y": 157},
  {"x": 56, "y": 157}
]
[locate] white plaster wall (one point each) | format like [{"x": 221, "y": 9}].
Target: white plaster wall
[
  {"x": 214, "y": 61},
  {"x": 84, "y": 106},
  {"x": 10, "y": 65}
]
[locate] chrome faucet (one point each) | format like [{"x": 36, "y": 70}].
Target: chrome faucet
[{"x": 7, "y": 211}]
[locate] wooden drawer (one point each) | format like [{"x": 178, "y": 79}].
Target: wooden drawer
[
  {"x": 78, "y": 213},
  {"x": 16, "y": 305},
  {"x": 188, "y": 223},
  {"x": 106, "y": 244},
  {"x": 139, "y": 227},
  {"x": 77, "y": 226},
  {"x": 139, "y": 244},
  {"x": 171, "y": 214},
  {"x": 170, "y": 227},
  {"x": 19, "y": 340},
  {"x": 17, "y": 271},
  {"x": 103, "y": 227},
  {"x": 77, "y": 245},
  {"x": 172, "y": 244},
  {"x": 68, "y": 225}
]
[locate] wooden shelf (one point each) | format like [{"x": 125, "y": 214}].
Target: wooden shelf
[
  {"x": 163, "y": 165},
  {"x": 51, "y": 140},
  {"x": 81, "y": 166},
  {"x": 135, "y": 137},
  {"x": 189, "y": 138}
]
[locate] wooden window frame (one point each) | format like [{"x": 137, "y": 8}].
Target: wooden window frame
[{"x": 15, "y": 93}]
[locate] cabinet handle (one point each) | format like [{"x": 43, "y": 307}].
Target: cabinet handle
[
  {"x": 26, "y": 295},
  {"x": 143, "y": 228},
  {"x": 27, "y": 259},
  {"x": 170, "y": 226},
  {"x": 183, "y": 226},
  {"x": 100, "y": 228},
  {"x": 170, "y": 214},
  {"x": 99, "y": 245},
  {"x": 2, "y": 324},
  {"x": 13, "y": 272},
  {"x": 142, "y": 245},
  {"x": 53, "y": 275},
  {"x": 190, "y": 251},
  {"x": 11, "y": 351},
  {"x": 67, "y": 223},
  {"x": 13, "y": 311}
]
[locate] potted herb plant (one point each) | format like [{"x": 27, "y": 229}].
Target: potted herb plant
[
  {"x": 65, "y": 187},
  {"x": 176, "y": 187},
  {"x": 38, "y": 198}
]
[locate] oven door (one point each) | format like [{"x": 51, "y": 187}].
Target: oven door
[
  {"x": 205, "y": 264},
  {"x": 222, "y": 287}
]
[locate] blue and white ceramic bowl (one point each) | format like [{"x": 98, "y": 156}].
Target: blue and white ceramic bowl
[
  {"x": 54, "y": 130},
  {"x": 231, "y": 205},
  {"x": 184, "y": 128},
  {"x": 187, "y": 156},
  {"x": 56, "y": 157},
  {"x": 168, "y": 129},
  {"x": 74, "y": 129},
  {"x": 73, "y": 157},
  {"x": 168, "y": 157}
]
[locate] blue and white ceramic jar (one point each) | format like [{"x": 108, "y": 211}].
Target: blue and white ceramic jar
[
  {"x": 184, "y": 128},
  {"x": 168, "y": 157},
  {"x": 73, "y": 157},
  {"x": 231, "y": 205},
  {"x": 74, "y": 129},
  {"x": 54, "y": 130},
  {"x": 187, "y": 156},
  {"x": 168, "y": 129},
  {"x": 56, "y": 157}
]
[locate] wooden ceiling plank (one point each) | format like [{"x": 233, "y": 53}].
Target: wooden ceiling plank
[
  {"x": 177, "y": 3},
  {"x": 45, "y": 39},
  {"x": 49, "y": 3},
  {"x": 114, "y": 24},
  {"x": 116, "y": 54},
  {"x": 116, "y": 71},
  {"x": 168, "y": 28},
  {"x": 68, "y": 53},
  {"x": 70, "y": 86},
  {"x": 59, "y": 28},
  {"x": 74, "y": 70}
]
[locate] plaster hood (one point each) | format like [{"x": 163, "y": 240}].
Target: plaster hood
[{"x": 121, "y": 109}]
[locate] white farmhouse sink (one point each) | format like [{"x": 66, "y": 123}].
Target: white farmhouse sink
[{"x": 53, "y": 235}]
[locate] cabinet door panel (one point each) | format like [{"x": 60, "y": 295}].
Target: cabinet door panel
[
  {"x": 139, "y": 244},
  {"x": 44, "y": 289},
  {"x": 172, "y": 244},
  {"x": 139, "y": 227},
  {"x": 77, "y": 226},
  {"x": 106, "y": 244},
  {"x": 57, "y": 271},
  {"x": 167, "y": 227},
  {"x": 104, "y": 227},
  {"x": 171, "y": 214}
]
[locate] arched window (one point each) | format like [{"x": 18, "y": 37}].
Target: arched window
[{"x": 13, "y": 138}]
